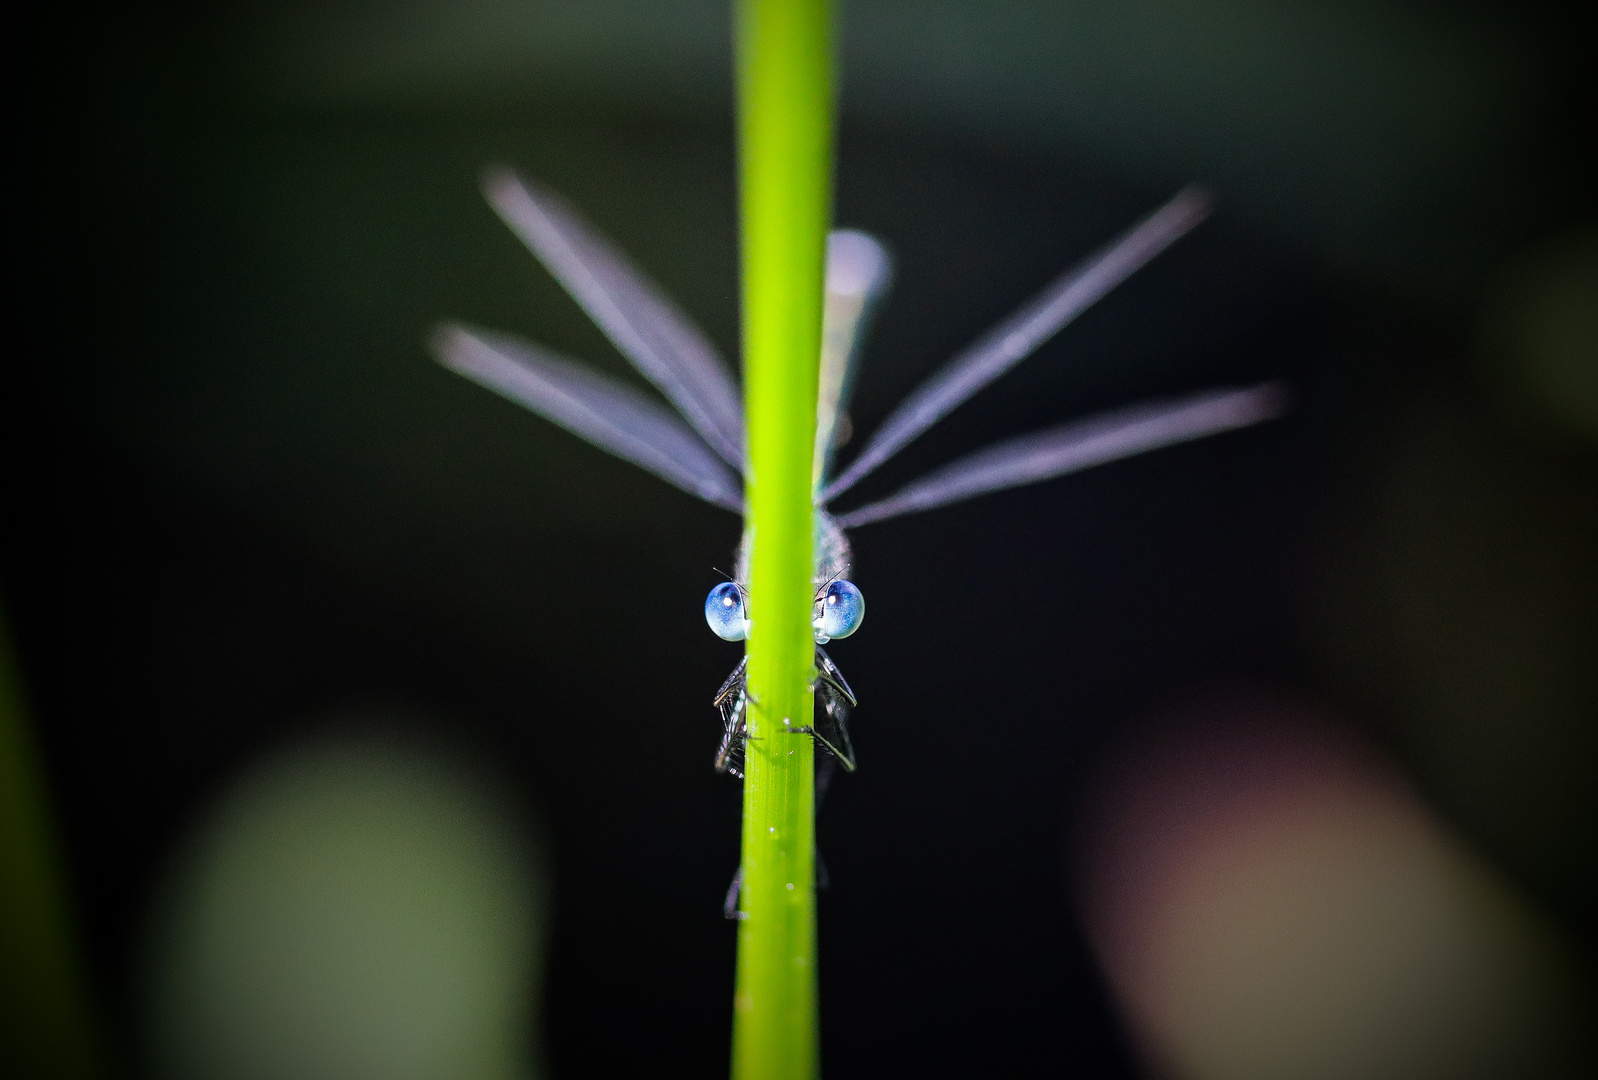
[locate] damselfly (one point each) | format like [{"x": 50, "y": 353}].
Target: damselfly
[{"x": 700, "y": 447}]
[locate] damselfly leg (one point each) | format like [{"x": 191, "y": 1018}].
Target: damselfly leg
[
  {"x": 732, "y": 701},
  {"x": 830, "y": 728}
]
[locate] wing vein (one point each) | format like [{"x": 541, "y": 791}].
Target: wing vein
[
  {"x": 1017, "y": 336},
  {"x": 610, "y": 415},
  {"x": 1076, "y": 446},
  {"x": 648, "y": 329}
]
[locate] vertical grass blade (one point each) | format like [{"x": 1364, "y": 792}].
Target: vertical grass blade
[
  {"x": 785, "y": 174},
  {"x": 46, "y": 1027}
]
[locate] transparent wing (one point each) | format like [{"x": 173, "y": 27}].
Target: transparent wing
[
  {"x": 610, "y": 415},
  {"x": 858, "y": 273},
  {"x": 1077, "y": 446},
  {"x": 647, "y": 327},
  {"x": 1013, "y": 339}
]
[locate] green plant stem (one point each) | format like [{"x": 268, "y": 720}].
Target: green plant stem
[
  {"x": 785, "y": 141},
  {"x": 46, "y": 1028}
]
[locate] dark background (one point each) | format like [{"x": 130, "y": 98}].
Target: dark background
[{"x": 242, "y": 500}]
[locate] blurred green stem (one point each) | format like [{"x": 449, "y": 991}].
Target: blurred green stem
[
  {"x": 45, "y": 1026},
  {"x": 785, "y": 142}
]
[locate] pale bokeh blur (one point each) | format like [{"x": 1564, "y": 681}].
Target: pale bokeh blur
[
  {"x": 1269, "y": 900},
  {"x": 359, "y": 907}
]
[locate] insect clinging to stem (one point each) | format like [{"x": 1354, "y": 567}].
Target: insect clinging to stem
[{"x": 700, "y": 447}]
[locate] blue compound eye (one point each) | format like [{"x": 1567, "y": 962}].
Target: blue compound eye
[
  {"x": 724, "y": 611},
  {"x": 840, "y": 610}
]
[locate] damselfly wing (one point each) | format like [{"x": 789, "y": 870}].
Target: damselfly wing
[{"x": 698, "y": 443}]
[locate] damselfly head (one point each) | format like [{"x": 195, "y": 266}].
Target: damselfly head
[
  {"x": 839, "y": 611},
  {"x": 725, "y": 612}
]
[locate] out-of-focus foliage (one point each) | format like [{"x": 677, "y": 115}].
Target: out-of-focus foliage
[
  {"x": 1272, "y": 902},
  {"x": 47, "y": 1023},
  {"x": 1366, "y": 131},
  {"x": 1539, "y": 335},
  {"x": 357, "y": 907}
]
